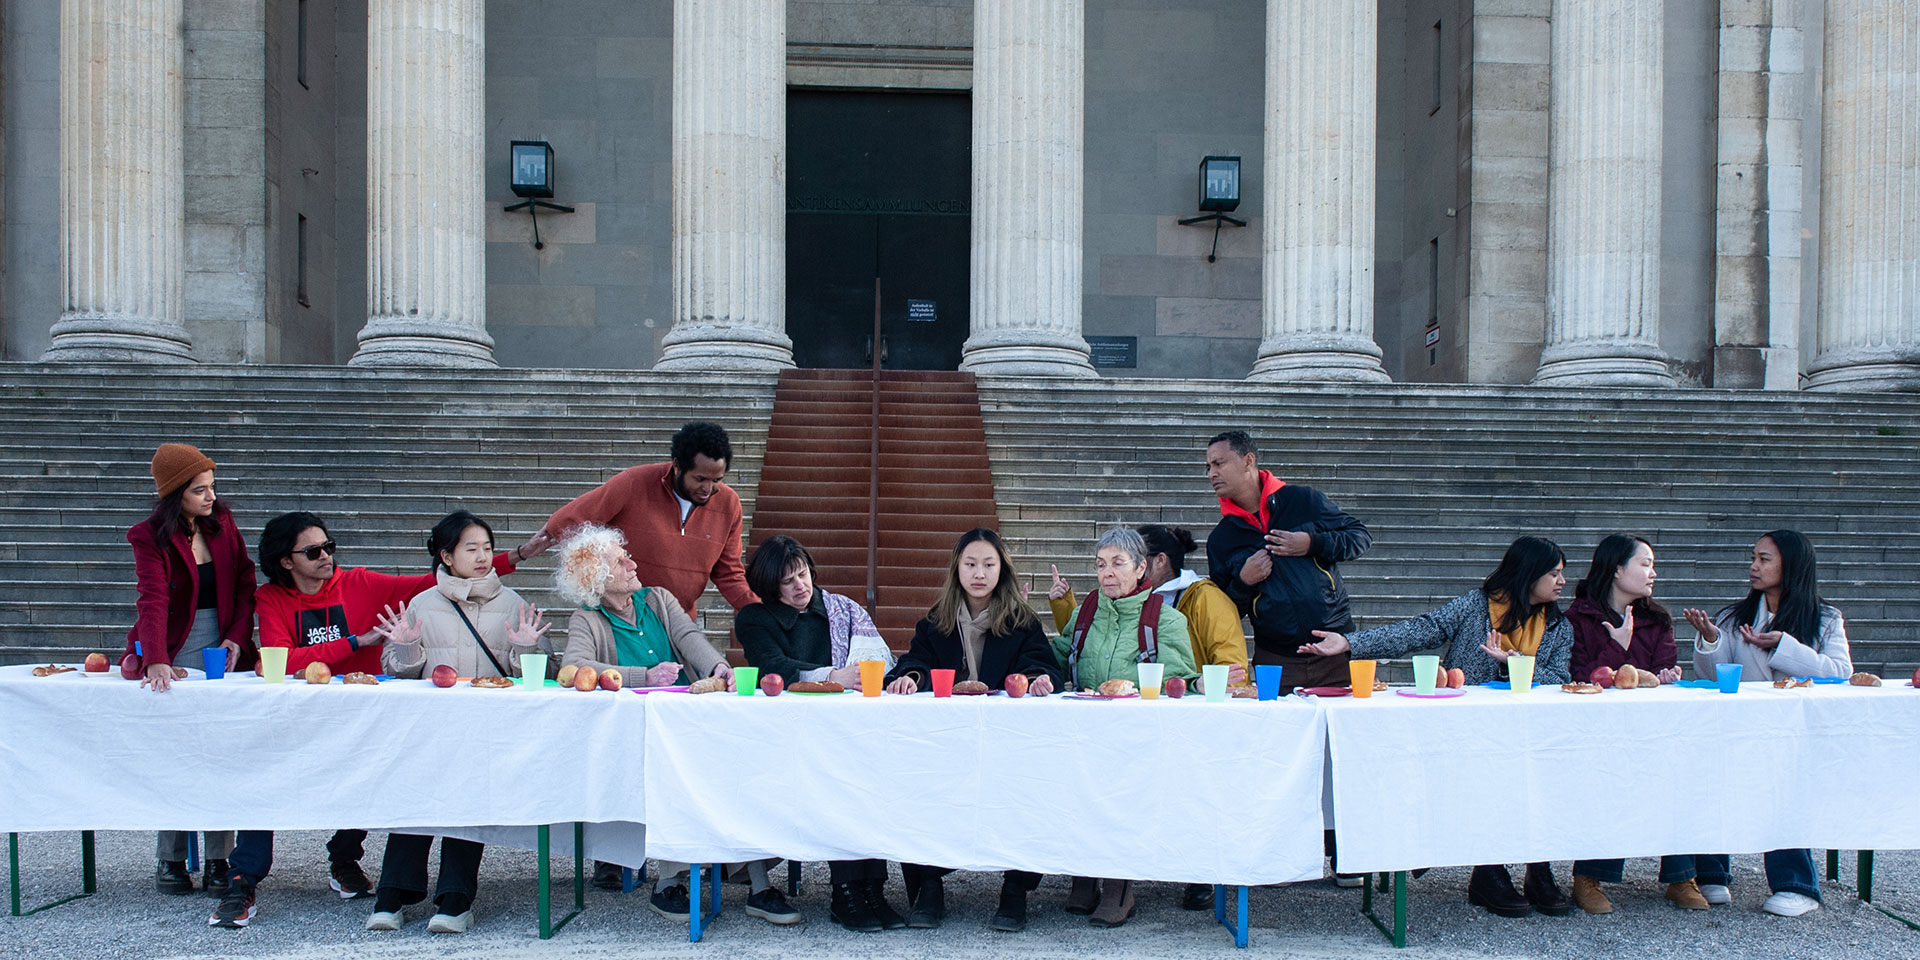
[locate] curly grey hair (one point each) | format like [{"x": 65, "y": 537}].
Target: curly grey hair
[
  {"x": 587, "y": 558},
  {"x": 1127, "y": 540}
]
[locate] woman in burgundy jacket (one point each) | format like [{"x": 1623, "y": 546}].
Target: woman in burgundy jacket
[
  {"x": 195, "y": 585},
  {"x": 1616, "y": 622}
]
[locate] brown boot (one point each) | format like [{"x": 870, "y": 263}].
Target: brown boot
[
  {"x": 1589, "y": 897},
  {"x": 1687, "y": 895},
  {"x": 1116, "y": 903},
  {"x": 1084, "y": 895}
]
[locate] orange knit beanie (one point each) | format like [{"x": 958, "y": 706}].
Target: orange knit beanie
[{"x": 176, "y": 463}]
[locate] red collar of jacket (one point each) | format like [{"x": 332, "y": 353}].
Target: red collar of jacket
[{"x": 1269, "y": 485}]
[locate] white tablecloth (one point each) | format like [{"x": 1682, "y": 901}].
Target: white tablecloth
[
  {"x": 1177, "y": 790},
  {"x": 1495, "y": 777},
  {"x": 103, "y": 754}
]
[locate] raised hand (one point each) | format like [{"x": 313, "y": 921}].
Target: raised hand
[
  {"x": 1702, "y": 623},
  {"x": 1059, "y": 588},
  {"x": 527, "y": 629},
  {"x": 1765, "y": 641},
  {"x": 1622, "y": 634},
  {"x": 1493, "y": 648},
  {"x": 1330, "y": 644},
  {"x": 394, "y": 628}
]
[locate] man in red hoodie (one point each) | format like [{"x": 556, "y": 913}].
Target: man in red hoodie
[{"x": 331, "y": 616}]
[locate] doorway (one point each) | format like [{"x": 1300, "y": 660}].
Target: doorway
[{"x": 877, "y": 186}]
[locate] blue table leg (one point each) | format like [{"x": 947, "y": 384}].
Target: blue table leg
[
  {"x": 697, "y": 918},
  {"x": 626, "y": 879},
  {"x": 1239, "y": 928},
  {"x": 193, "y": 851}
]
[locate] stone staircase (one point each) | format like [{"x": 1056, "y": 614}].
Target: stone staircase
[{"x": 1445, "y": 477}]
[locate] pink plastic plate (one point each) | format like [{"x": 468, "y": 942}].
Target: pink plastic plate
[
  {"x": 1436, "y": 695},
  {"x": 646, "y": 690}
]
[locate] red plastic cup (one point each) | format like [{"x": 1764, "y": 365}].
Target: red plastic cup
[{"x": 942, "y": 683}]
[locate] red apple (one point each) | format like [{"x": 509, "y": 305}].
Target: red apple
[
  {"x": 1916, "y": 678},
  {"x": 1015, "y": 684},
  {"x": 1176, "y": 687},
  {"x": 566, "y": 674},
  {"x": 1440, "y": 678},
  {"x": 772, "y": 685},
  {"x": 444, "y": 675},
  {"x": 1456, "y": 678},
  {"x": 1602, "y": 677},
  {"x": 131, "y": 667},
  {"x": 96, "y": 663},
  {"x": 317, "y": 673},
  {"x": 610, "y": 679},
  {"x": 586, "y": 679}
]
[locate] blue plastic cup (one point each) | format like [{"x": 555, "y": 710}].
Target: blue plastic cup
[
  {"x": 1728, "y": 674},
  {"x": 1266, "y": 678},
  {"x": 214, "y": 661}
]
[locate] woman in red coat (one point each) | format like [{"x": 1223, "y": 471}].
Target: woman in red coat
[{"x": 195, "y": 585}]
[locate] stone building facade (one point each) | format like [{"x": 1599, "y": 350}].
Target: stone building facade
[{"x": 1633, "y": 192}]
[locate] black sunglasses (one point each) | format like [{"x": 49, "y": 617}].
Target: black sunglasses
[{"x": 314, "y": 552}]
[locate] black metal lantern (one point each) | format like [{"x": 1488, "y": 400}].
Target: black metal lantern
[
  {"x": 1219, "y": 183},
  {"x": 531, "y": 163}
]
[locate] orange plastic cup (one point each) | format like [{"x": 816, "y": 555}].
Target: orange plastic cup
[
  {"x": 1362, "y": 673},
  {"x": 873, "y": 676}
]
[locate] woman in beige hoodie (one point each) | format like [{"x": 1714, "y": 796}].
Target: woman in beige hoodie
[{"x": 473, "y": 623}]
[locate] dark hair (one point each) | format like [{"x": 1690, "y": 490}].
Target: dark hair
[
  {"x": 701, "y": 438},
  {"x": 276, "y": 543},
  {"x": 1597, "y": 586},
  {"x": 771, "y": 562},
  {"x": 1007, "y": 610},
  {"x": 447, "y": 533},
  {"x": 1800, "y": 603},
  {"x": 169, "y": 521},
  {"x": 1175, "y": 542},
  {"x": 1527, "y": 559},
  {"x": 1239, "y": 440}
]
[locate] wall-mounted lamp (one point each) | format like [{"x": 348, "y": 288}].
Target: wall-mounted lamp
[
  {"x": 530, "y": 163},
  {"x": 1219, "y": 194}
]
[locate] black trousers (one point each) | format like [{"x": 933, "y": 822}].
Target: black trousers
[
  {"x": 855, "y": 871},
  {"x": 1304, "y": 669},
  {"x": 916, "y": 874},
  {"x": 404, "y": 870}
]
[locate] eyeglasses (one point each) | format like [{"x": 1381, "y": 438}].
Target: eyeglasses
[{"x": 314, "y": 552}]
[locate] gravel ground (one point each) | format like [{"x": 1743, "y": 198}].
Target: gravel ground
[{"x": 301, "y": 918}]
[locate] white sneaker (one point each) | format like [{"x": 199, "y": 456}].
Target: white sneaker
[
  {"x": 1716, "y": 894},
  {"x": 1349, "y": 881},
  {"x": 386, "y": 921},
  {"x": 442, "y": 923},
  {"x": 1789, "y": 904}
]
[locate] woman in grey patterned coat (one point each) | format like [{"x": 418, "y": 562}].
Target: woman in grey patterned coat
[{"x": 1513, "y": 611}]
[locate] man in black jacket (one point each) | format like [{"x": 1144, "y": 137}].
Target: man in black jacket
[{"x": 1275, "y": 552}]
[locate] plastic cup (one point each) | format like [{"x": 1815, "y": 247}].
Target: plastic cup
[
  {"x": 214, "y": 661},
  {"x": 1151, "y": 675},
  {"x": 1266, "y": 680},
  {"x": 1361, "y": 671},
  {"x": 533, "y": 670},
  {"x": 1426, "y": 673},
  {"x": 1520, "y": 672},
  {"x": 1728, "y": 676},
  {"x": 1213, "y": 676},
  {"x": 942, "y": 683},
  {"x": 273, "y": 664},
  {"x": 873, "y": 677},
  {"x": 745, "y": 680}
]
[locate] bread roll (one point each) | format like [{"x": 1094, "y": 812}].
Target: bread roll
[
  {"x": 969, "y": 688},
  {"x": 816, "y": 686},
  {"x": 1118, "y": 687},
  {"x": 709, "y": 685},
  {"x": 1864, "y": 680}
]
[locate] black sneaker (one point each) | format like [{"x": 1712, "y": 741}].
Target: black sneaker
[
  {"x": 236, "y": 909},
  {"x": 1197, "y": 896},
  {"x": 215, "y": 877},
  {"x": 173, "y": 878},
  {"x": 671, "y": 903},
  {"x": 770, "y": 905},
  {"x": 348, "y": 880},
  {"x": 606, "y": 876}
]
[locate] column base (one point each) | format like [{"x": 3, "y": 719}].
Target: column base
[
  {"x": 413, "y": 342},
  {"x": 1019, "y": 355},
  {"x": 97, "y": 337},
  {"x": 697, "y": 347},
  {"x": 1866, "y": 370},
  {"x": 1318, "y": 357},
  {"x": 1603, "y": 364}
]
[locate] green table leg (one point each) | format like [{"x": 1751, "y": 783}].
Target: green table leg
[
  {"x": 1863, "y": 885},
  {"x": 1398, "y": 932},
  {"x": 1833, "y": 864},
  {"x": 1863, "y": 878},
  {"x": 545, "y": 871},
  {"x": 87, "y": 884}
]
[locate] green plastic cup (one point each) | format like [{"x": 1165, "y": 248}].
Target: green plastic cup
[
  {"x": 1214, "y": 677},
  {"x": 746, "y": 679},
  {"x": 1426, "y": 673}
]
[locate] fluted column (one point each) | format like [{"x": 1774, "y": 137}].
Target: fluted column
[
  {"x": 1028, "y": 197},
  {"x": 1603, "y": 195},
  {"x": 1869, "y": 321},
  {"x": 1316, "y": 304},
  {"x": 729, "y": 187},
  {"x": 426, "y": 189},
  {"x": 122, "y": 222}
]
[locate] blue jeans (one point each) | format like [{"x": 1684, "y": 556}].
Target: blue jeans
[
  {"x": 252, "y": 857},
  {"x": 1788, "y": 871},
  {"x": 1674, "y": 868}
]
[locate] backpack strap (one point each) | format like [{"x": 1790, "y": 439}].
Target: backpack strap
[
  {"x": 1149, "y": 628},
  {"x": 1082, "y": 622}
]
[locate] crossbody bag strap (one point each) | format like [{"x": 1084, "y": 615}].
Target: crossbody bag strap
[{"x": 476, "y": 639}]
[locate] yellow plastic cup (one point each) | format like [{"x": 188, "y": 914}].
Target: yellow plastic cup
[
  {"x": 873, "y": 676},
  {"x": 1361, "y": 672},
  {"x": 273, "y": 664},
  {"x": 1151, "y": 676},
  {"x": 1520, "y": 672}
]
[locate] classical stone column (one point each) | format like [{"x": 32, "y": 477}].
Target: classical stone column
[
  {"x": 122, "y": 223},
  {"x": 1028, "y": 197},
  {"x": 1316, "y": 305},
  {"x": 426, "y": 190},
  {"x": 1603, "y": 195},
  {"x": 729, "y": 187},
  {"x": 1869, "y": 321}
]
